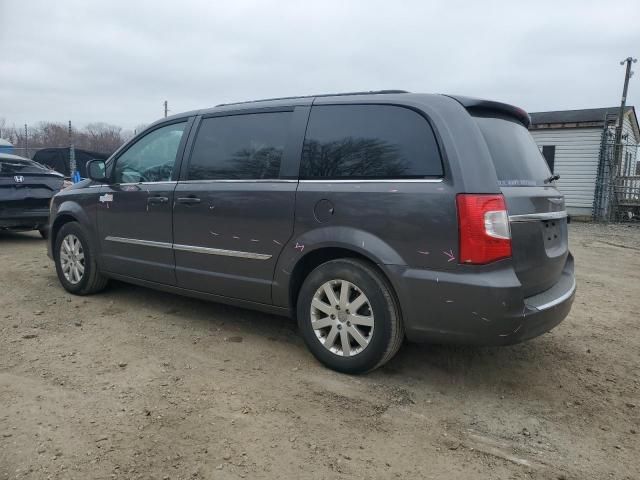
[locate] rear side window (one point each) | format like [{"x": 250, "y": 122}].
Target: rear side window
[
  {"x": 239, "y": 147},
  {"x": 516, "y": 157},
  {"x": 369, "y": 142}
]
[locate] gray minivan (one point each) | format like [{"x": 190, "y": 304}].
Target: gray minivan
[{"x": 370, "y": 217}]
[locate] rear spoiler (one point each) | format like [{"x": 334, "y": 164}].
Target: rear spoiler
[{"x": 479, "y": 104}]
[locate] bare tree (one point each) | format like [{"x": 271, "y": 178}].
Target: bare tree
[
  {"x": 101, "y": 137},
  {"x": 98, "y": 137}
]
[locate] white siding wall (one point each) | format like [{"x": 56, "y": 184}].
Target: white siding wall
[{"x": 576, "y": 161}]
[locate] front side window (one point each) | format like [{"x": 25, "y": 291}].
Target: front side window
[
  {"x": 152, "y": 158},
  {"x": 369, "y": 142},
  {"x": 239, "y": 147}
]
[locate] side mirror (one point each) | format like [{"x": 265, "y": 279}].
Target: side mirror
[{"x": 97, "y": 171}]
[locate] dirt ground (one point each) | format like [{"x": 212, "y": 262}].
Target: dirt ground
[{"x": 133, "y": 383}]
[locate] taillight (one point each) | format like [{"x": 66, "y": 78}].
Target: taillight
[{"x": 483, "y": 223}]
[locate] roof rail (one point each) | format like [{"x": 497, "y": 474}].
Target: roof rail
[{"x": 371, "y": 92}]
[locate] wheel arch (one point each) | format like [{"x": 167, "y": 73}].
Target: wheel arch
[
  {"x": 60, "y": 220},
  {"x": 313, "y": 259},
  {"x": 71, "y": 211},
  {"x": 306, "y": 251}
]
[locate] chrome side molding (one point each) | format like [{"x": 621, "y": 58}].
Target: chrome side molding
[
  {"x": 190, "y": 248},
  {"x": 135, "y": 241},
  {"x": 535, "y": 217},
  {"x": 381, "y": 180},
  {"x": 220, "y": 251}
]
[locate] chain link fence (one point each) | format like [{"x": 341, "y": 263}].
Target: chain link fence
[{"x": 617, "y": 194}]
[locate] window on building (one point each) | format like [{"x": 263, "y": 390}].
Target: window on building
[
  {"x": 369, "y": 141},
  {"x": 549, "y": 154},
  {"x": 240, "y": 147}
]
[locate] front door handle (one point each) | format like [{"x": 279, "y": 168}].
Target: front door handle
[
  {"x": 157, "y": 200},
  {"x": 191, "y": 200}
]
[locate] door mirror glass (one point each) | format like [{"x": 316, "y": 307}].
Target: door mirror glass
[{"x": 97, "y": 170}]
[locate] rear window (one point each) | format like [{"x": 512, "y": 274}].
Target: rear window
[
  {"x": 369, "y": 142},
  {"x": 10, "y": 166},
  {"x": 516, "y": 157}
]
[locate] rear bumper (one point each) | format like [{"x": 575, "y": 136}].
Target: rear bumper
[
  {"x": 24, "y": 218},
  {"x": 484, "y": 308}
]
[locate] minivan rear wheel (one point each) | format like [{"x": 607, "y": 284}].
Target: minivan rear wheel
[
  {"x": 75, "y": 263},
  {"x": 348, "y": 316}
]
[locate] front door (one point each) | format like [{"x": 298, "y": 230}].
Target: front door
[
  {"x": 234, "y": 211},
  {"x": 135, "y": 210}
]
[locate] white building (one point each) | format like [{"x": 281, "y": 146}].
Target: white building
[{"x": 572, "y": 140}]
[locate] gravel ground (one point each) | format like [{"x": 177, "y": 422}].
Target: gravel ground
[{"x": 133, "y": 383}]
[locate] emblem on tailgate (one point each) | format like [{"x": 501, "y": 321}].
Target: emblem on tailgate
[{"x": 18, "y": 178}]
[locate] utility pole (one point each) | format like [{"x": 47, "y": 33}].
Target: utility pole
[
  {"x": 26, "y": 141},
  {"x": 618, "y": 138},
  {"x": 166, "y": 108},
  {"x": 616, "y": 171},
  {"x": 72, "y": 155}
]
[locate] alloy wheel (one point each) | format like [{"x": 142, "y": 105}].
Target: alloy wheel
[
  {"x": 72, "y": 259},
  {"x": 342, "y": 318}
]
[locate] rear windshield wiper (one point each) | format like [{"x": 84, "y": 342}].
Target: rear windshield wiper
[{"x": 552, "y": 178}]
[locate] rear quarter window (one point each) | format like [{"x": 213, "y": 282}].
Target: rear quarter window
[
  {"x": 369, "y": 142},
  {"x": 516, "y": 157}
]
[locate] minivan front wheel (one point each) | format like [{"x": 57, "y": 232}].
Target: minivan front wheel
[
  {"x": 75, "y": 263},
  {"x": 348, "y": 316}
]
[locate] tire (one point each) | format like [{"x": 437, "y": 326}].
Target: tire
[
  {"x": 376, "y": 344},
  {"x": 44, "y": 232},
  {"x": 91, "y": 281}
]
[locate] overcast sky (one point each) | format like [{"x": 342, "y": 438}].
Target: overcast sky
[{"x": 118, "y": 61}]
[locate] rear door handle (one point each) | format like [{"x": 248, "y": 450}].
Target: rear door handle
[
  {"x": 188, "y": 200},
  {"x": 157, "y": 200}
]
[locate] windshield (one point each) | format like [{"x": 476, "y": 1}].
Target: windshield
[
  {"x": 11, "y": 166},
  {"x": 516, "y": 157}
]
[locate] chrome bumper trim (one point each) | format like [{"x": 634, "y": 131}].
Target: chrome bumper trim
[
  {"x": 559, "y": 300},
  {"x": 535, "y": 217}
]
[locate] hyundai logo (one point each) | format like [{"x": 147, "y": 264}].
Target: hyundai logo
[{"x": 18, "y": 178}]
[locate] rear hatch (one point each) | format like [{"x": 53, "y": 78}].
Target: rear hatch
[
  {"x": 25, "y": 184},
  {"x": 536, "y": 208}
]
